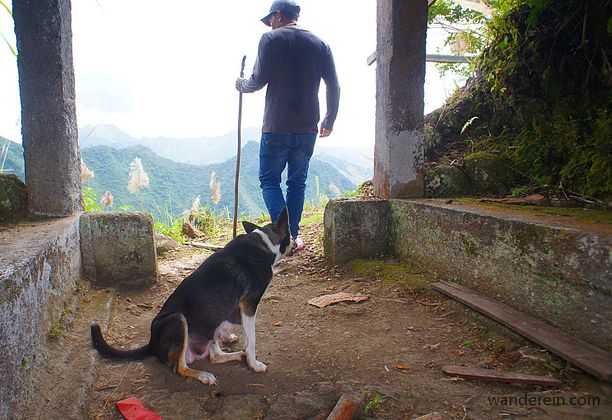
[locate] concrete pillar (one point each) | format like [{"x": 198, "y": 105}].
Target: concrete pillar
[
  {"x": 400, "y": 79},
  {"x": 48, "y": 113}
]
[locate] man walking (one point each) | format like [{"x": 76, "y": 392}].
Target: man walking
[{"x": 291, "y": 61}]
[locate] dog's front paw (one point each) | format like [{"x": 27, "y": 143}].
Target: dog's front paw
[
  {"x": 230, "y": 338},
  {"x": 207, "y": 378},
  {"x": 257, "y": 366}
]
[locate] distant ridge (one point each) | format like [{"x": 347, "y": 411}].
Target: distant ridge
[
  {"x": 198, "y": 151},
  {"x": 355, "y": 163}
]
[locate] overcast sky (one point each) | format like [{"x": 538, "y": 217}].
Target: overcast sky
[{"x": 157, "y": 68}]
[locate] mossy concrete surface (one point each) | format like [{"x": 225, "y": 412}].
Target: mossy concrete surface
[
  {"x": 557, "y": 273},
  {"x": 39, "y": 267},
  {"x": 355, "y": 229},
  {"x": 554, "y": 268},
  {"x": 393, "y": 272},
  {"x": 118, "y": 249}
]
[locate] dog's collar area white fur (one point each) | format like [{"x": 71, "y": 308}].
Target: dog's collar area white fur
[{"x": 275, "y": 249}]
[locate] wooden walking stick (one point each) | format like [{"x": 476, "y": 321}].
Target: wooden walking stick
[{"x": 236, "y": 181}]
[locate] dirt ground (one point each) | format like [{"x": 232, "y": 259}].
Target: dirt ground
[{"x": 389, "y": 350}]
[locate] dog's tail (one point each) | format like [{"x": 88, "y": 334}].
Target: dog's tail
[{"x": 105, "y": 350}]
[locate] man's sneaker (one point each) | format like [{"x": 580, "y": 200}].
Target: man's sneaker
[{"x": 297, "y": 245}]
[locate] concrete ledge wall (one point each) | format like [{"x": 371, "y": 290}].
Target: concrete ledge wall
[
  {"x": 39, "y": 267},
  {"x": 558, "y": 274},
  {"x": 553, "y": 269},
  {"x": 356, "y": 229}
]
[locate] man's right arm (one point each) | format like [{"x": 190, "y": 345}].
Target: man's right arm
[{"x": 261, "y": 70}]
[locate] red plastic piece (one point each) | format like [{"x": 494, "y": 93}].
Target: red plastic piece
[{"x": 133, "y": 409}]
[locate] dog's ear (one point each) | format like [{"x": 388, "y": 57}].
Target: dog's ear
[
  {"x": 281, "y": 227},
  {"x": 248, "y": 226}
]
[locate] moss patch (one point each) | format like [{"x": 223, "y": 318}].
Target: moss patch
[
  {"x": 469, "y": 246},
  {"x": 393, "y": 272},
  {"x": 488, "y": 173},
  {"x": 445, "y": 181},
  {"x": 592, "y": 215},
  {"x": 13, "y": 198}
]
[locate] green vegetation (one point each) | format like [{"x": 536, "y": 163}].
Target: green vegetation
[
  {"x": 469, "y": 31},
  {"x": 90, "y": 199},
  {"x": 56, "y": 331},
  {"x": 547, "y": 80},
  {"x": 174, "y": 230},
  {"x": 25, "y": 363},
  {"x": 207, "y": 222},
  {"x": 374, "y": 402},
  {"x": 465, "y": 32},
  {"x": 4, "y": 5},
  {"x": 539, "y": 97}
]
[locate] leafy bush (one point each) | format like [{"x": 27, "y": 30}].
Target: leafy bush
[
  {"x": 173, "y": 230},
  {"x": 90, "y": 199}
]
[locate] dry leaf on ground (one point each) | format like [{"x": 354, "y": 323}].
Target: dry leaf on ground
[{"x": 326, "y": 300}]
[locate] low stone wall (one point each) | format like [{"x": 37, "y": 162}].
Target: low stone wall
[
  {"x": 356, "y": 229},
  {"x": 554, "y": 270},
  {"x": 39, "y": 267},
  {"x": 118, "y": 249},
  {"x": 556, "y": 273}
]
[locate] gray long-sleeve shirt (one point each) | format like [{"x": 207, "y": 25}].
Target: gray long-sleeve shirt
[{"x": 292, "y": 61}]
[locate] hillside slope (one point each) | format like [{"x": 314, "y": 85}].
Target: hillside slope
[
  {"x": 175, "y": 185},
  {"x": 536, "y": 115}
]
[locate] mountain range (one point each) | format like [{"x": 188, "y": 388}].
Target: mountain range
[
  {"x": 197, "y": 151},
  {"x": 173, "y": 186},
  {"x": 354, "y": 163}
]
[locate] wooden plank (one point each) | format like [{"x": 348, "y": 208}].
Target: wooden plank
[
  {"x": 586, "y": 356},
  {"x": 371, "y": 59},
  {"x": 498, "y": 376},
  {"x": 346, "y": 408}
]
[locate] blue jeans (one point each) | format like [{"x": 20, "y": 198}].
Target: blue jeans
[{"x": 276, "y": 152}]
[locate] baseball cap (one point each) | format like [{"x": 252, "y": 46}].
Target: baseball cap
[{"x": 286, "y": 6}]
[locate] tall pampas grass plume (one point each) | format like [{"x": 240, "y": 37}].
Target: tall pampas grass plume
[
  {"x": 107, "y": 199},
  {"x": 215, "y": 188},
  {"x": 194, "y": 212},
  {"x": 86, "y": 173},
  {"x": 213, "y": 180},
  {"x": 138, "y": 176}
]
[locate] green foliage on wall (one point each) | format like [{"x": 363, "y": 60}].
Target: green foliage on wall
[{"x": 547, "y": 81}]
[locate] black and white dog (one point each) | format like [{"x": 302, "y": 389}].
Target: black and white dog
[{"x": 199, "y": 315}]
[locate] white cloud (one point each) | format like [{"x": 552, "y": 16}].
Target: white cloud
[{"x": 159, "y": 68}]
